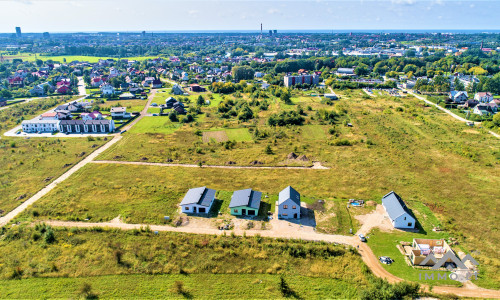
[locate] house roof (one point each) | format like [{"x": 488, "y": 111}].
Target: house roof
[
  {"x": 171, "y": 99},
  {"x": 247, "y": 197},
  {"x": 118, "y": 109},
  {"x": 394, "y": 205},
  {"x": 289, "y": 193},
  {"x": 202, "y": 196}
]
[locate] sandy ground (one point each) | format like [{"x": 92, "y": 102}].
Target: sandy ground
[
  {"x": 316, "y": 166},
  {"x": 376, "y": 218}
]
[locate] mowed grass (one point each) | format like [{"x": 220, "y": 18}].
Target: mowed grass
[
  {"x": 239, "y": 134},
  {"x": 206, "y": 261},
  {"x": 159, "y": 124},
  {"x": 26, "y": 166}
]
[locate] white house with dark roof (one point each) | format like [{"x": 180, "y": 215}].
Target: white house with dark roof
[
  {"x": 289, "y": 204},
  {"x": 398, "y": 212},
  {"x": 198, "y": 201}
]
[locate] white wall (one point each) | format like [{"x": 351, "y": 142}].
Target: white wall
[{"x": 288, "y": 211}]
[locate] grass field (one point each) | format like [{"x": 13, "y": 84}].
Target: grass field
[
  {"x": 131, "y": 105},
  {"x": 215, "y": 286},
  {"x": 26, "y": 166},
  {"x": 70, "y": 58},
  {"x": 155, "y": 125},
  {"x": 250, "y": 264}
]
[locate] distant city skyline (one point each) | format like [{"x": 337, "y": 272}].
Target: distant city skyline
[{"x": 244, "y": 15}]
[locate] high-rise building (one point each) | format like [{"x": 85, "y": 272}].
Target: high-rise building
[
  {"x": 144, "y": 34},
  {"x": 18, "y": 31},
  {"x": 275, "y": 31},
  {"x": 301, "y": 79},
  {"x": 46, "y": 35},
  {"x": 270, "y": 32}
]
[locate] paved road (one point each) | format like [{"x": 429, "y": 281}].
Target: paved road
[
  {"x": 141, "y": 163},
  {"x": 449, "y": 112},
  {"x": 366, "y": 253},
  {"x": 81, "y": 87}
]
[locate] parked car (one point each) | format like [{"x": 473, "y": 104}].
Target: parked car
[
  {"x": 386, "y": 260},
  {"x": 362, "y": 238},
  {"x": 154, "y": 104}
]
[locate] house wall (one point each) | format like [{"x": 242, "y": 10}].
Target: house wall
[
  {"x": 403, "y": 220},
  {"x": 237, "y": 211},
  {"x": 288, "y": 213},
  {"x": 192, "y": 206}
]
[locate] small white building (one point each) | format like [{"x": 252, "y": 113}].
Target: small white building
[
  {"x": 34, "y": 126},
  {"x": 107, "y": 89},
  {"x": 198, "y": 200},
  {"x": 289, "y": 204},
  {"x": 398, "y": 212},
  {"x": 184, "y": 76},
  {"x": 119, "y": 113}
]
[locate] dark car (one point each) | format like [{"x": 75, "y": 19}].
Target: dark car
[
  {"x": 386, "y": 260},
  {"x": 362, "y": 238}
]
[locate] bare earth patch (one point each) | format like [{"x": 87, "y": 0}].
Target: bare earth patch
[
  {"x": 218, "y": 136},
  {"x": 376, "y": 218}
]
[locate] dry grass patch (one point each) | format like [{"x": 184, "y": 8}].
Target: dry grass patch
[{"x": 218, "y": 136}]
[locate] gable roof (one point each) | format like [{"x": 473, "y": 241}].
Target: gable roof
[
  {"x": 289, "y": 193},
  {"x": 202, "y": 196},
  {"x": 394, "y": 205},
  {"x": 247, "y": 197}
]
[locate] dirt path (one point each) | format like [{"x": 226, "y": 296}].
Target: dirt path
[
  {"x": 316, "y": 165},
  {"x": 366, "y": 92},
  {"x": 143, "y": 112},
  {"x": 450, "y": 113},
  {"x": 364, "y": 250}
]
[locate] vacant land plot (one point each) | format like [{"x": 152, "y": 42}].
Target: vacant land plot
[
  {"x": 83, "y": 253},
  {"x": 217, "y": 136},
  {"x": 159, "y": 124},
  {"x": 26, "y": 166},
  {"x": 131, "y": 105},
  {"x": 239, "y": 135}
]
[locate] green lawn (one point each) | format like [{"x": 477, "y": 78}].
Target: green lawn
[
  {"x": 154, "y": 110},
  {"x": 159, "y": 124},
  {"x": 238, "y": 134}
]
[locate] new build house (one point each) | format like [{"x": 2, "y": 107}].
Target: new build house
[
  {"x": 398, "y": 212},
  {"x": 43, "y": 125},
  {"x": 198, "y": 200},
  {"x": 289, "y": 204},
  {"x": 422, "y": 248},
  {"x": 245, "y": 203}
]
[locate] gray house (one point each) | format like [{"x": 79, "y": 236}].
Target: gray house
[
  {"x": 245, "y": 203},
  {"x": 398, "y": 212},
  {"x": 198, "y": 200},
  {"x": 289, "y": 204}
]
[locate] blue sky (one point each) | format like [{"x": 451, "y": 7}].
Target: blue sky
[{"x": 169, "y": 15}]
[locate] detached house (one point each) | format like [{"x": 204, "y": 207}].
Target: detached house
[
  {"x": 177, "y": 90},
  {"x": 119, "y": 113},
  {"x": 198, "y": 200},
  {"x": 398, "y": 213},
  {"x": 107, "y": 89},
  {"x": 289, "y": 204},
  {"x": 484, "y": 97},
  {"x": 245, "y": 203},
  {"x": 485, "y": 109},
  {"x": 458, "y": 96}
]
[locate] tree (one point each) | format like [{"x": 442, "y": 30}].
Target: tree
[
  {"x": 245, "y": 113},
  {"x": 286, "y": 97},
  {"x": 242, "y": 73},
  {"x": 200, "y": 101},
  {"x": 361, "y": 70},
  {"x": 496, "y": 119},
  {"x": 173, "y": 116},
  {"x": 268, "y": 150}
]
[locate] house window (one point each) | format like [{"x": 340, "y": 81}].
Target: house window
[
  {"x": 186, "y": 208},
  {"x": 285, "y": 206},
  {"x": 236, "y": 211},
  {"x": 405, "y": 218},
  {"x": 409, "y": 224},
  {"x": 285, "y": 215},
  {"x": 294, "y": 207}
]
